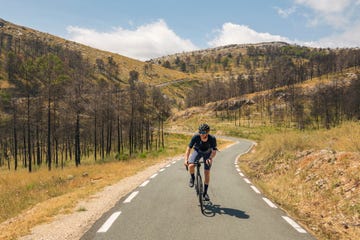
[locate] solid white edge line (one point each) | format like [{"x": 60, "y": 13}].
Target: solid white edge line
[
  {"x": 271, "y": 204},
  {"x": 294, "y": 224},
  {"x": 132, "y": 195},
  {"x": 255, "y": 189},
  {"x": 144, "y": 183},
  {"x": 105, "y": 227}
]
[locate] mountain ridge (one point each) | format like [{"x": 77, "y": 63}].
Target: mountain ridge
[
  {"x": 206, "y": 51},
  {"x": 156, "y": 73}
]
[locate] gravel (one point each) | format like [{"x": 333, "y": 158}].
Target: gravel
[{"x": 73, "y": 226}]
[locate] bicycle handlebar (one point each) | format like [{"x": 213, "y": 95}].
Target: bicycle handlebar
[{"x": 196, "y": 162}]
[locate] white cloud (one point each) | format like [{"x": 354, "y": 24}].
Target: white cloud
[
  {"x": 337, "y": 14},
  {"x": 240, "y": 34},
  {"x": 143, "y": 43},
  {"x": 286, "y": 12},
  {"x": 340, "y": 15},
  {"x": 348, "y": 38},
  {"x": 326, "y": 6}
]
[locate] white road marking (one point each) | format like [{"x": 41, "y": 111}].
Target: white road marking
[
  {"x": 161, "y": 170},
  {"x": 132, "y": 195},
  {"x": 153, "y": 176},
  {"x": 105, "y": 227},
  {"x": 241, "y": 174},
  {"x": 229, "y": 146},
  {"x": 168, "y": 165},
  {"x": 144, "y": 183},
  {"x": 247, "y": 180},
  {"x": 269, "y": 202},
  {"x": 255, "y": 189},
  {"x": 294, "y": 224}
]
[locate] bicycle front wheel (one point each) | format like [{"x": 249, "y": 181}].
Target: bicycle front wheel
[{"x": 200, "y": 191}]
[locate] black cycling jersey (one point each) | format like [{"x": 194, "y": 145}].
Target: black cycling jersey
[{"x": 201, "y": 146}]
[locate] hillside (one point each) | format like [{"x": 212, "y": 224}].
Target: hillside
[
  {"x": 148, "y": 73},
  {"x": 236, "y": 70},
  {"x": 69, "y": 95},
  {"x": 251, "y": 67},
  {"x": 216, "y": 63}
]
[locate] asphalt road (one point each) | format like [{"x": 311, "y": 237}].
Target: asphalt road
[{"x": 164, "y": 207}]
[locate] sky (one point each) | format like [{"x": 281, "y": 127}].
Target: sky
[{"x": 146, "y": 29}]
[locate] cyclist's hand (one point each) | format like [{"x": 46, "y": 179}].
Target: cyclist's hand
[
  {"x": 186, "y": 163},
  {"x": 209, "y": 162}
]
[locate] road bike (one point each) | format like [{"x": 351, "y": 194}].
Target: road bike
[{"x": 199, "y": 185}]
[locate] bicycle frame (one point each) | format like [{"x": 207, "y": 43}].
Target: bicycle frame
[{"x": 199, "y": 185}]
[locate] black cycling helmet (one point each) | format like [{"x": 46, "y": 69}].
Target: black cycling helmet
[{"x": 204, "y": 128}]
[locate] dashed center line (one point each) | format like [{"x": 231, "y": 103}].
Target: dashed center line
[
  {"x": 144, "y": 183},
  {"x": 269, "y": 202},
  {"x": 105, "y": 227},
  {"x": 294, "y": 224},
  {"x": 153, "y": 176},
  {"x": 247, "y": 180},
  {"x": 132, "y": 195},
  {"x": 255, "y": 189}
]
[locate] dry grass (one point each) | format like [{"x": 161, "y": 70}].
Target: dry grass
[
  {"x": 58, "y": 191},
  {"x": 314, "y": 176},
  {"x": 21, "y": 189},
  {"x": 29, "y": 199},
  {"x": 61, "y": 193}
]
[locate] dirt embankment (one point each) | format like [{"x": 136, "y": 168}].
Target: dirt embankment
[{"x": 319, "y": 187}]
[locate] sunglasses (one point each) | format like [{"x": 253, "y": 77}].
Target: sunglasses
[{"x": 203, "y": 132}]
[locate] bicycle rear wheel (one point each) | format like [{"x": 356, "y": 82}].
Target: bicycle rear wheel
[{"x": 200, "y": 191}]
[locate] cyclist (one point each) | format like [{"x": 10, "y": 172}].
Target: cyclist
[{"x": 205, "y": 147}]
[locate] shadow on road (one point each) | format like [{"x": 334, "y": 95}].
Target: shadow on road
[{"x": 210, "y": 210}]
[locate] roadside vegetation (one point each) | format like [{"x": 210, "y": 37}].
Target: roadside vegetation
[
  {"x": 313, "y": 175},
  {"x": 61, "y": 100},
  {"x": 58, "y": 191},
  {"x": 28, "y": 200}
]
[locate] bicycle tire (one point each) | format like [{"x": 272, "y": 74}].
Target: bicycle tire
[{"x": 200, "y": 191}]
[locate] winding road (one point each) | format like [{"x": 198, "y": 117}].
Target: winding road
[{"x": 164, "y": 207}]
